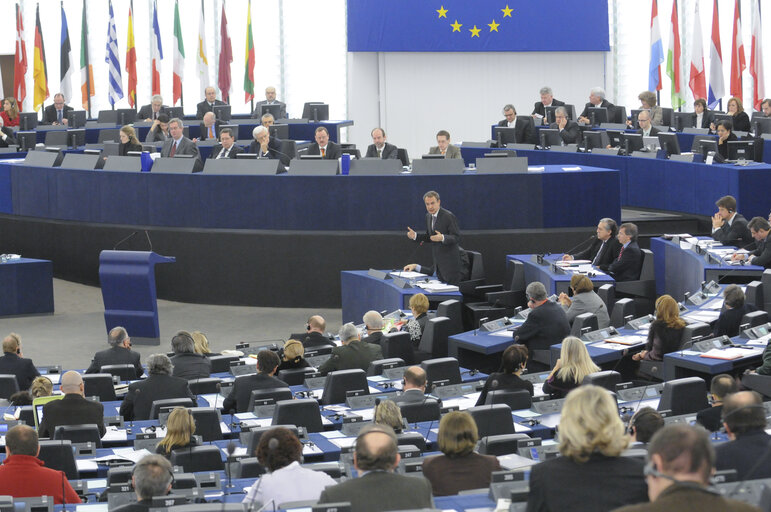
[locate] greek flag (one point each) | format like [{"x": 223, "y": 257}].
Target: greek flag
[{"x": 116, "y": 89}]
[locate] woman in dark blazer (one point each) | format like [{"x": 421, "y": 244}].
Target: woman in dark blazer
[
  {"x": 740, "y": 118},
  {"x": 735, "y": 308},
  {"x": 128, "y": 141},
  {"x": 513, "y": 363},
  {"x": 416, "y": 326},
  {"x": 666, "y": 332},
  {"x": 700, "y": 109},
  {"x": 725, "y": 135}
]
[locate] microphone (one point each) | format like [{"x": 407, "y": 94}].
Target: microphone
[
  {"x": 150, "y": 243},
  {"x": 231, "y": 450},
  {"x": 415, "y": 250},
  {"x": 124, "y": 240},
  {"x": 592, "y": 237}
]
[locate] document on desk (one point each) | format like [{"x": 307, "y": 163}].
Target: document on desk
[
  {"x": 535, "y": 169},
  {"x": 731, "y": 353},
  {"x": 609, "y": 346},
  {"x": 114, "y": 434},
  {"x": 404, "y": 274},
  {"x": 438, "y": 287},
  {"x": 631, "y": 339},
  {"x": 760, "y": 342},
  {"x": 503, "y": 333},
  {"x": 703, "y": 316},
  {"x": 366, "y": 414},
  {"x": 212, "y": 399},
  {"x": 125, "y": 454},
  {"x": 514, "y": 461},
  {"x": 343, "y": 442},
  {"x": 311, "y": 449},
  {"x": 86, "y": 465},
  {"x": 463, "y": 402},
  {"x": 715, "y": 304}
]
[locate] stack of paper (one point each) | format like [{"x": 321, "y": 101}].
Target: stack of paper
[
  {"x": 729, "y": 353},
  {"x": 438, "y": 287},
  {"x": 631, "y": 339}
]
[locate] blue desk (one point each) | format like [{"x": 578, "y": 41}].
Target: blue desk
[
  {"x": 554, "y": 283},
  {"x": 680, "y": 271},
  {"x": 678, "y": 365},
  {"x": 26, "y": 287}
]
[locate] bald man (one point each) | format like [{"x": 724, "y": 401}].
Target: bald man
[
  {"x": 72, "y": 409},
  {"x": 208, "y": 104},
  {"x": 413, "y": 386},
  {"x": 316, "y": 333},
  {"x": 270, "y": 99}
]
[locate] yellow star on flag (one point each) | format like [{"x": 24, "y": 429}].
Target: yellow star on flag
[
  {"x": 474, "y": 31},
  {"x": 443, "y": 12},
  {"x": 493, "y": 26},
  {"x": 507, "y": 11},
  {"x": 456, "y": 26}
]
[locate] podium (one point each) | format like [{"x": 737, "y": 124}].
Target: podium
[{"x": 128, "y": 291}]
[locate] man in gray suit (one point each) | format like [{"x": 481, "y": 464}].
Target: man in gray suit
[
  {"x": 444, "y": 147},
  {"x": 270, "y": 99},
  {"x": 413, "y": 386},
  {"x": 178, "y": 144},
  {"x": 376, "y": 456},
  {"x": 380, "y": 148}
]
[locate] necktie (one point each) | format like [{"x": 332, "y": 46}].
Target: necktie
[
  {"x": 59, "y": 116},
  {"x": 620, "y": 253},
  {"x": 323, "y": 152},
  {"x": 442, "y": 152},
  {"x": 380, "y": 153},
  {"x": 211, "y": 132},
  {"x": 155, "y": 116},
  {"x": 433, "y": 223},
  {"x": 599, "y": 253},
  {"x": 173, "y": 148}
]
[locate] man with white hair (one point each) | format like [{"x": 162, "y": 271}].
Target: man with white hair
[
  {"x": 151, "y": 111},
  {"x": 152, "y": 477},
  {"x": 547, "y": 100},
  {"x": 265, "y": 146},
  {"x": 596, "y": 99},
  {"x": 73, "y": 409},
  {"x": 373, "y": 321},
  {"x": 354, "y": 353},
  {"x": 210, "y": 127},
  {"x": 270, "y": 99},
  {"x": 118, "y": 353},
  {"x": 159, "y": 385}
]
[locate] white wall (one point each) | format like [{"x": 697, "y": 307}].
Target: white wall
[{"x": 414, "y": 95}]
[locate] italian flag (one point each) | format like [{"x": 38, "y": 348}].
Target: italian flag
[{"x": 179, "y": 56}]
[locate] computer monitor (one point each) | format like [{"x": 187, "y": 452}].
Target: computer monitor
[
  {"x": 274, "y": 110},
  {"x": 761, "y": 125},
  {"x": 246, "y": 156},
  {"x": 716, "y": 118},
  {"x": 177, "y": 112},
  {"x": 221, "y": 112},
  {"x": 741, "y": 150},
  {"x": 633, "y": 116},
  {"x": 279, "y": 131},
  {"x": 76, "y": 137},
  {"x": 27, "y": 121},
  {"x": 76, "y": 118},
  {"x": 126, "y": 116},
  {"x": 617, "y": 114},
  {"x": 505, "y": 135},
  {"x": 550, "y": 137},
  {"x": 26, "y": 140},
  {"x": 669, "y": 143},
  {"x": 596, "y": 139},
  {"x": 549, "y": 112},
  {"x": 698, "y": 140},
  {"x": 705, "y": 146},
  {"x": 598, "y": 115},
  {"x": 434, "y": 156},
  {"x": 316, "y": 111},
  {"x": 682, "y": 120},
  {"x": 616, "y": 138},
  {"x": 632, "y": 142}
]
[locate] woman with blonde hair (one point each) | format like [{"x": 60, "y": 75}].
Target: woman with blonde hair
[
  {"x": 740, "y": 118},
  {"x": 128, "y": 140},
  {"x": 416, "y": 326},
  {"x": 666, "y": 332},
  {"x": 388, "y": 413},
  {"x": 180, "y": 428},
  {"x": 459, "y": 467},
  {"x": 41, "y": 386},
  {"x": 294, "y": 353},
  {"x": 201, "y": 343},
  {"x": 591, "y": 475},
  {"x": 570, "y": 369}
]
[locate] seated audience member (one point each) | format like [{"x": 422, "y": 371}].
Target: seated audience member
[
  {"x": 7, "y": 137},
  {"x": 648, "y": 103},
  {"x": 523, "y": 130},
  {"x": 41, "y": 386},
  {"x": 178, "y": 144},
  {"x": 10, "y": 113},
  {"x": 570, "y": 369},
  {"x": 227, "y": 147},
  {"x": 208, "y": 104},
  {"x": 353, "y": 353},
  {"x": 118, "y": 353},
  {"x": 13, "y": 362},
  {"x": 721, "y": 386},
  {"x": 158, "y": 385},
  {"x": 702, "y": 118},
  {"x": 152, "y": 477},
  {"x": 388, "y": 413},
  {"x": 665, "y": 333},
  {"x": 73, "y": 409},
  {"x": 280, "y": 452},
  {"x": 646, "y": 126},
  {"x": 459, "y": 467},
  {"x": 128, "y": 141},
  {"x": 187, "y": 364},
  {"x": 413, "y": 386},
  {"x": 547, "y": 100},
  {"x": 596, "y": 99},
  {"x": 380, "y": 148},
  {"x": 373, "y": 322},
  {"x": 270, "y": 99},
  {"x": 761, "y": 249},
  {"x": 513, "y": 363},
  {"x": 741, "y": 120},
  {"x": 378, "y": 487},
  {"x": 744, "y": 419},
  {"x": 323, "y": 146},
  {"x": 209, "y": 128},
  {"x": 569, "y": 130},
  {"x": 22, "y": 474},
  {"x": 604, "y": 249},
  {"x": 202, "y": 344},
  {"x": 265, "y": 146},
  {"x": 765, "y": 107},
  {"x": 443, "y": 146},
  {"x": 315, "y": 335},
  {"x": 293, "y": 356},
  {"x": 591, "y": 475},
  {"x": 20, "y": 398},
  {"x": 628, "y": 265},
  {"x": 267, "y": 364},
  {"x": 267, "y": 120},
  {"x": 154, "y": 110},
  {"x": 546, "y": 325},
  {"x": 56, "y": 113},
  {"x": 417, "y": 324},
  {"x": 645, "y": 422},
  {"x": 735, "y": 308},
  {"x": 584, "y": 300},
  {"x": 159, "y": 130},
  {"x": 725, "y": 135},
  {"x": 728, "y": 226},
  {"x": 180, "y": 427}
]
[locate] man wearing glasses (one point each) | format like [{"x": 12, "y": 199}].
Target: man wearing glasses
[
  {"x": 569, "y": 130},
  {"x": 546, "y": 325}
]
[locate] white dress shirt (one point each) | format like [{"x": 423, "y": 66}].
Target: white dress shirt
[{"x": 290, "y": 483}]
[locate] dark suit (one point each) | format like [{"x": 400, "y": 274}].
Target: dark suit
[
  {"x": 376, "y": 338},
  {"x": 142, "y": 394},
  {"x": 571, "y": 134},
  {"x": 73, "y": 409},
  {"x": 156, "y": 135},
  {"x": 545, "y": 326},
  {"x": 146, "y": 112},
  {"x": 706, "y": 120},
  {"x": 204, "y": 132},
  {"x": 9, "y": 137},
  {"x": 446, "y": 254},
  {"x": 410, "y": 396},
  {"x": 115, "y": 355},
  {"x": 742, "y": 454},
  {"x": 689, "y": 498},
  {"x": 389, "y": 152},
  {"x": 234, "y": 150},
  {"x": 742, "y": 122},
  {"x": 606, "y": 104},
  {"x": 274, "y": 150},
  {"x": 355, "y": 354},
  {"x": 451, "y": 475},
  {"x": 737, "y": 233},
  {"x": 204, "y": 107},
  {"x": 238, "y": 398},
  {"x": 503, "y": 381},
  {"x": 50, "y": 116},
  {"x": 722, "y": 149},
  {"x": 185, "y": 146},
  {"x": 380, "y": 491},
  {"x": 312, "y": 339},
  {"x": 628, "y": 265},
  {"x": 710, "y": 418},
  {"x": 523, "y": 130},
  {"x": 762, "y": 253},
  {"x": 191, "y": 366},
  {"x": 730, "y": 319},
  {"x": 333, "y": 151},
  {"x": 610, "y": 250},
  {"x": 538, "y": 108},
  {"x": 21, "y": 367},
  {"x": 654, "y": 131}
]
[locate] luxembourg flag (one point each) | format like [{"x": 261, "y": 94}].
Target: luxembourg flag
[
  {"x": 716, "y": 81},
  {"x": 156, "y": 52},
  {"x": 657, "y": 50},
  {"x": 696, "y": 81}
]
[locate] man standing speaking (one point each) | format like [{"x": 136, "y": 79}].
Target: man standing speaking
[{"x": 444, "y": 236}]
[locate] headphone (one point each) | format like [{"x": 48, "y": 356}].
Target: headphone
[
  {"x": 636, "y": 418},
  {"x": 651, "y": 470},
  {"x": 133, "y": 470}
]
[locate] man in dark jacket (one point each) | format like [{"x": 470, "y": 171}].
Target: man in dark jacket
[
  {"x": 14, "y": 363},
  {"x": 187, "y": 364},
  {"x": 546, "y": 324},
  {"x": 728, "y": 226},
  {"x": 73, "y": 409},
  {"x": 603, "y": 250},
  {"x": 744, "y": 419},
  {"x": 315, "y": 335},
  {"x": 354, "y": 353},
  {"x": 159, "y": 385},
  {"x": 267, "y": 364},
  {"x": 118, "y": 353},
  {"x": 630, "y": 258}
]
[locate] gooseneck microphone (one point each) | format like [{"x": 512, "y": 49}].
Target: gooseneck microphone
[
  {"x": 124, "y": 240},
  {"x": 592, "y": 237}
]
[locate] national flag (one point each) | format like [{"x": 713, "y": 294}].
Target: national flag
[
  {"x": 86, "y": 71},
  {"x": 156, "y": 52},
  {"x": 39, "y": 71},
  {"x": 202, "y": 63},
  {"x": 716, "y": 81},
  {"x": 20, "y": 61},
  {"x": 226, "y": 58},
  {"x": 657, "y": 50},
  {"x": 131, "y": 59},
  {"x": 756, "y": 59},
  {"x": 179, "y": 57},
  {"x": 673, "y": 59},
  {"x": 697, "y": 81},
  {"x": 65, "y": 60},
  {"x": 115, "y": 91},
  {"x": 738, "y": 64},
  {"x": 249, "y": 71}
]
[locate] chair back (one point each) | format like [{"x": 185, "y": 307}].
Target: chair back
[
  {"x": 193, "y": 459},
  {"x": 301, "y": 413},
  {"x": 398, "y": 345},
  {"x": 493, "y": 419},
  {"x": 451, "y": 309},
  {"x": 340, "y": 382},
  {"x": 516, "y": 399},
  {"x": 99, "y": 385},
  {"x": 444, "y": 368},
  {"x": 684, "y": 396},
  {"x": 607, "y": 379},
  {"x": 79, "y": 434}
]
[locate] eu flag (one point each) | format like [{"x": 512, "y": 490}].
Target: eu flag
[{"x": 477, "y": 25}]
